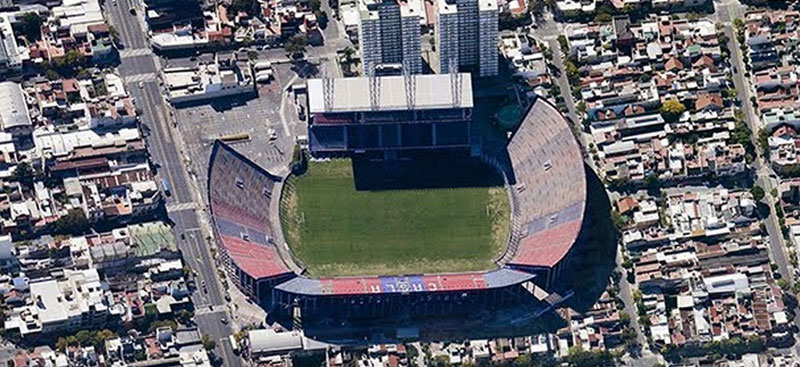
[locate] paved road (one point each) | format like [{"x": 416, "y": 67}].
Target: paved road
[
  {"x": 727, "y": 11},
  {"x": 147, "y": 95}
]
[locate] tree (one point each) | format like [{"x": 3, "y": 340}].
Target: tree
[
  {"x": 247, "y": 6},
  {"x": 31, "y": 26},
  {"x": 620, "y": 221},
  {"x": 315, "y": 5},
  {"x": 581, "y": 358},
  {"x": 24, "y": 174},
  {"x": 100, "y": 337},
  {"x": 738, "y": 23},
  {"x": 757, "y": 192},
  {"x": 624, "y": 318},
  {"x": 83, "y": 336},
  {"x": 208, "y": 343},
  {"x": 296, "y": 44},
  {"x": 573, "y": 74},
  {"x": 562, "y": 41},
  {"x": 603, "y": 18},
  {"x": 73, "y": 223},
  {"x": 783, "y": 284},
  {"x": 114, "y": 33},
  {"x": 672, "y": 109},
  {"x": 185, "y": 316}
]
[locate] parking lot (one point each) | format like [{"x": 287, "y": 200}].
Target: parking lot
[{"x": 270, "y": 139}]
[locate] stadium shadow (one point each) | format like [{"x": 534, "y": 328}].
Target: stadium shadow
[
  {"x": 597, "y": 257},
  {"x": 482, "y": 322},
  {"x": 418, "y": 172}
]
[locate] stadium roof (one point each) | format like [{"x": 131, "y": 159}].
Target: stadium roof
[
  {"x": 353, "y": 94},
  {"x": 405, "y": 284}
]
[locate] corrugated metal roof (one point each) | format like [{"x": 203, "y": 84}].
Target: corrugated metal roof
[{"x": 353, "y": 94}]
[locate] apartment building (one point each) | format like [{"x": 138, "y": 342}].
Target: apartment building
[
  {"x": 389, "y": 35},
  {"x": 467, "y": 35}
]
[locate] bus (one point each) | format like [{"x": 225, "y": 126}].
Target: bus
[
  {"x": 234, "y": 344},
  {"x": 165, "y": 187}
]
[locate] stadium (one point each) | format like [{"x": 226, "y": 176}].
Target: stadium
[{"x": 388, "y": 119}]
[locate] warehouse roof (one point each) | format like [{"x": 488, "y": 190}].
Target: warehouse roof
[
  {"x": 268, "y": 341},
  {"x": 13, "y": 108},
  {"x": 353, "y": 94}
]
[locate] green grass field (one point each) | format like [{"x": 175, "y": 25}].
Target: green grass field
[{"x": 336, "y": 231}]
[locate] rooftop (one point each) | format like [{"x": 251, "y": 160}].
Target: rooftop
[{"x": 353, "y": 94}]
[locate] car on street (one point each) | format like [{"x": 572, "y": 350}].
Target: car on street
[
  {"x": 132, "y": 10},
  {"x": 223, "y": 320}
]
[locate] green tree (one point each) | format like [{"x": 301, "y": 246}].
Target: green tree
[
  {"x": 99, "y": 338},
  {"x": 783, "y": 284},
  {"x": 620, "y": 221},
  {"x": 564, "y": 44},
  {"x": 31, "y": 26},
  {"x": 672, "y": 109},
  {"x": 248, "y": 6},
  {"x": 581, "y": 358},
  {"x": 73, "y": 223},
  {"x": 757, "y": 192},
  {"x": 83, "y": 337},
  {"x": 315, "y": 5},
  {"x": 573, "y": 74},
  {"x": 296, "y": 44},
  {"x": 208, "y": 343},
  {"x": 24, "y": 174},
  {"x": 185, "y": 316},
  {"x": 603, "y": 18}
]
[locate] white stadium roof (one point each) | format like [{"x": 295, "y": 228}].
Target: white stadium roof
[{"x": 352, "y": 94}]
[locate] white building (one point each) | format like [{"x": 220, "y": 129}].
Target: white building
[
  {"x": 14, "y": 117},
  {"x": 77, "y": 302},
  {"x": 207, "y": 81}
]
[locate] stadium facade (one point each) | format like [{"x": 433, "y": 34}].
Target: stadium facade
[
  {"x": 389, "y": 114},
  {"x": 545, "y": 179}
]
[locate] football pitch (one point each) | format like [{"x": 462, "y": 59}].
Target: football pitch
[{"x": 336, "y": 230}]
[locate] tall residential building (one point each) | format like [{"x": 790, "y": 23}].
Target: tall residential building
[
  {"x": 389, "y": 33},
  {"x": 466, "y": 35},
  {"x": 488, "y": 23},
  {"x": 447, "y": 35}
]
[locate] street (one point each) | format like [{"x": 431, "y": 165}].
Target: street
[{"x": 164, "y": 152}]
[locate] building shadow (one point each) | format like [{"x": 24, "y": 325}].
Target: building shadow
[
  {"x": 426, "y": 171},
  {"x": 596, "y": 260}
]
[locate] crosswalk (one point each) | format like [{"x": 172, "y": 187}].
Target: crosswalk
[
  {"x": 133, "y": 52},
  {"x": 176, "y": 207},
  {"x": 144, "y": 77}
]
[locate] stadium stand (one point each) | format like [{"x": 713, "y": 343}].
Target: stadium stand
[
  {"x": 418, "y": 295},
  {"x": 549, "y": 190},
  {"x": 240, "y": 193}
]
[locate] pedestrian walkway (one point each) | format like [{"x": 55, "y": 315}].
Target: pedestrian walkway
[
  {"x": 145, "y": 77},
  {"x": 133, "y": 52},
  {"x": 176, "y": 207}
]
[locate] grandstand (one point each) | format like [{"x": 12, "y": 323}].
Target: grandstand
[
  {"x": 412, "y": 295},
  {"x": 545, "y": 176},
  {"x": 548, "y": 188},
  {"x": 389, "y": 113},
  {"x": 240, "y": 193}
]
